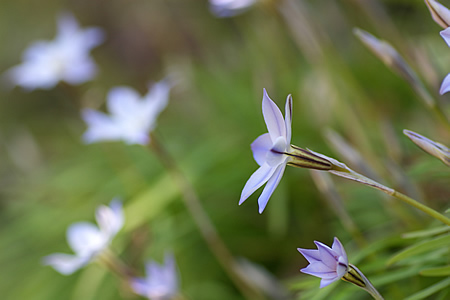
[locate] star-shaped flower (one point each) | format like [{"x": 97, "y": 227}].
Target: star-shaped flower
[
  {"x": 66, "y": 58},
  {"x": 229, "y": 8},
  {"x": 161, "y": 282},
  {"x": 88, "y": 240},
  {"x": 330, "y": 264},
  {"x": 132, "y": 116},
  {"x": 273, "y": 151}
]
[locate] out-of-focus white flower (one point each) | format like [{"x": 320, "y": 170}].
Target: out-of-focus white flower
[
  {"x": 229, "y": 8},
  {"x": 132, "y": 116},
  {"x": 88, "y": 240},
  {"x": 161, "y": 281},
  {"x": 66, "y": 58}
]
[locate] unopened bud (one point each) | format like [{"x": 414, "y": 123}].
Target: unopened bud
[
  {"x": 439, "y": 13},
  {"x": 436, "y": 149}
]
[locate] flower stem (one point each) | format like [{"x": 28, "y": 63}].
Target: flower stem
[
  {"x": 429, "y": 211},
  {"x": 204, "y": 224},
  {"x": 355, "y": 276},
  {"x": 117, "y": 266}
]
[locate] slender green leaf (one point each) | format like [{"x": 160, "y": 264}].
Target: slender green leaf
[
  {"x": 440, "y": 271},
  {"x": 430, "y": 290}
]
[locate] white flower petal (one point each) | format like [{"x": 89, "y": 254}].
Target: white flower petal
[
  {"x": 445, "y": 86},
  {"x": 156, "y": 99},
  {"x": 110, "y": 218},
  {"x": 327, "y": 255},
  {"x": 270, "y": 187},
  {"x": 100, "y": 127},
  {"x": 65, "y": 264},
  {"x": 258, "y": 178},
  {"x": 139, "y": 286},
  {"x": 260, "y": 147},
  {"x": 86, "y": 239},
  {"x": 273, "y": 118},
  {"x": 124, "y": 102},
  {"x": 288, "y": 119},
  {"x": 325, "y": 282}
]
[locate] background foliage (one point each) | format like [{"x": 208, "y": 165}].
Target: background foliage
[{"x": 49, "y": 178}]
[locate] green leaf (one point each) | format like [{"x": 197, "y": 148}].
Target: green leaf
[
  {"x": 439, "y": 271},
  {"x": 443, "y": 241},
  {"x": 426, "y": 232},
  {"x": 430, "y": 290}
]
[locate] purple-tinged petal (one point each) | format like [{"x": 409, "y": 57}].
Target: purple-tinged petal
[
  {"x": 445, "y": 86},
  {"x": 100, "y": 127},
  {"x": 85, "y": 238},
  {"x": 327, "y": 255},
  {"x": 288, "y": 119},
  {"x": 270, "y": 187},
  {"x": 339, "y": 249},
  {"x": 110, "y": 218},
  {"x": 445, "y": 34},
  {"x": 260, "y": 147},
  {"x": 123, "y": 102},
  {"x": 276, "y": 154},
  {"x": 65, "y": 264},
  {"x": 320, "y": 270},
  {"x": 311, "y": 255},
  {"x": 273, "y": 118},
  {"x": 157, "y": 99},
  {"x": 342, "y": 267},
  {"x": 139, "y": 286},
  {"x": 325, "y": 282},
  {"x": 258, "y": 178}
]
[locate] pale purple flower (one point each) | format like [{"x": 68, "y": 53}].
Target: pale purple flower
[
  {"x": 161, "y": 281},
  {"x": 132, "y": 116},
  {"x": 445, "y": 86},
  {"x": 66, "y": 58},
  {"x": 229, "y": 8},
  {"x": 87, "y": 240},
  {"x": 330, "y": 264},
  {"x": 270, "y": 151}
]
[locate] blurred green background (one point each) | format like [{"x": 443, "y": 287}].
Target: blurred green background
[{"x": 50, "y": 179}]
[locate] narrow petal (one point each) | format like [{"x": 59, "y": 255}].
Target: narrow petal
[
  {"x": 110, "y": 218},
  {"x": 273, "y": 118},
  {"x": 270, "y": 187},
  {"x": 100, "y": 127},
  {"x": 320, "y": 270},
  {"x": 85, "y": 238},
  {"x": 310, "y": 254},
  {"x": 445, "y": 86},
  {"x": 445, "y": 34},
  {"x": 339, "y": 249},
  {"x": 327, "y": 255},
  {"x": 123, "y": 102},
  {"x": 65, "y": 264},
  {"x": 140, "y": 286},
  {"x": 260, "y": 147},
  {"x": 258, "y": 178},
  {"x": 288, "y": 119},
  {"x": 324, "y": 282},
  {"x": 157, "y": 99}
]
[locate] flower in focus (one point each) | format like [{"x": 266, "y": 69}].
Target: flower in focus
[
  {"x": 161, "y": 282},
  {"x": 330, "y": 264},
  {"x": 88, "y": 240},
  {"x": 273, "y": 151},
  {"x": 229, "y": 8},
  {"x": 132, "y": 117},
  {"x": 66, "y": 58}
]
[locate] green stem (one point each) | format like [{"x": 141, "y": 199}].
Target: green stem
[
  {"x": 429, "y": 211},
  {"x": 204, "y": 224},
  {"x": 355, "y": 276}
]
